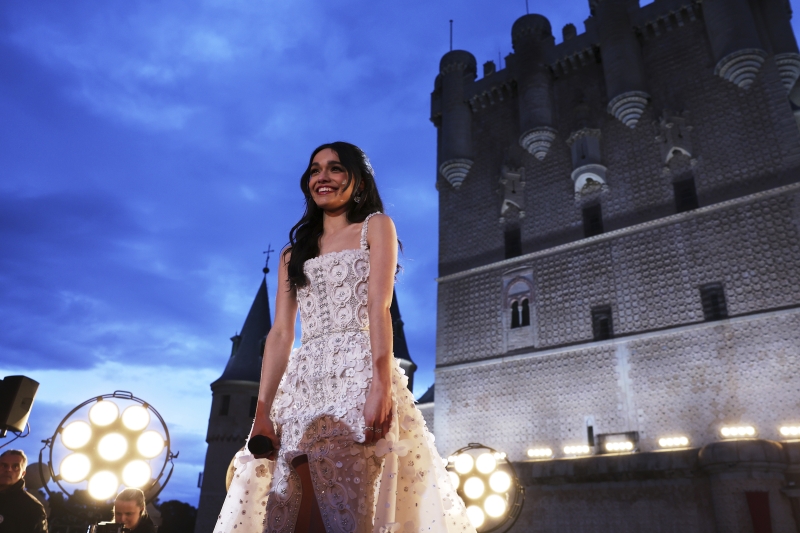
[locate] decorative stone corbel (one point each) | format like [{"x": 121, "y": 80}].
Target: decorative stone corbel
[
  {"x": 455, "y": 170},
  {"x": 538, "y": 141},
  {"x": 674, "y": 135},
  {"x": 513, "y": 183},
  {"x": 741, "y": 67}
]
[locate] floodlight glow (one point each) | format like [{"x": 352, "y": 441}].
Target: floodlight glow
[
  {"x": 474, "y": 488},
  {"x": 464, "y": 463},
  {"x": 74, "y": 468},
  {"x": 76, "y": 435},
  {"x": 150, "y": 444},
  {"x": 500, "y": 481},
  {"x": 136, "y": 473},
  {"x": 576, "y": 450},
  {"x": 790, "y": 431},
  {"x": 103, "y": 485},
  {"x": 475, "y": 515},
  {"x": 454, "y": 479},
  {"x": 540, "y": 452},
  {"x": 486, "y": 463},
  {"x": 494, "y": 505},
  {"x": 623, "y": 446},
  {"x": 673, "y": 442},
  {"x": 135, "y": 417},
  {"x": 737, "y": 431},
  {"x": 103, "y": 413},
  {"x": 112, "y": 447}
]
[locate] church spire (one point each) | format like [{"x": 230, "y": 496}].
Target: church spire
[{"x": 399, "y": 343}]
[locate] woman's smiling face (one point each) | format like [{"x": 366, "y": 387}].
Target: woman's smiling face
[{"x": 329, "y": 183}]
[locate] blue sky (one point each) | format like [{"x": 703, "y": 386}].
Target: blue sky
[{"x": 150, "y": 151}]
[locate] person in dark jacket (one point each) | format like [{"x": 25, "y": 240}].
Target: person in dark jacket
[
  {"x": 129, "y": 510},
  {"x": 19, "y": 511}
]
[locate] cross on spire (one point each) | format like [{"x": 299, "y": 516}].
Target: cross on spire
[{"x": 268, "y": 251}]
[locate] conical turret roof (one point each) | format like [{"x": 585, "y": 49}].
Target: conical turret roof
[
  {"x": 245, "y": 361},
  {"x": 398, "y": 336}
]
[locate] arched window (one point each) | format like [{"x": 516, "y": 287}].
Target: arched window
[
  {"x": 526, "y": 313},
  {"x": 514, "y": 315}
]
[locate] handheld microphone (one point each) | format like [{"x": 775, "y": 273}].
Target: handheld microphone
[{"x": 259, "y": 445}]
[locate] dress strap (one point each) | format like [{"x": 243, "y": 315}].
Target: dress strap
[{"x": 364, "y": 245}]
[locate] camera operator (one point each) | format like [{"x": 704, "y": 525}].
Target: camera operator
[
  {"x": 129, "y": 510},
  {"x": 19, "y": 511}
]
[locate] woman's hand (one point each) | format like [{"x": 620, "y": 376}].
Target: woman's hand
[
  {"x": 263, "y": 426},
  {"x": 377, "y": 413}
]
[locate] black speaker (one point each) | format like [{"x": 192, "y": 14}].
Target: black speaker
[{"x": 16, "y": 399}]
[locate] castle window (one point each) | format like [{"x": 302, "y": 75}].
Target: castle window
[
  {"x": 514, "y": 315},
  {"x": 513, "y": 238},
  {"x": 685, "y": 195},
  {"x": 602, "y": 326},
  {"x": 225, "y": 405},
  {"x": 592, "y": 220},
  {"x": 712, "y": 296},
  {"x": 253, "y": 404},
  {"x": 525, "y": 311}
]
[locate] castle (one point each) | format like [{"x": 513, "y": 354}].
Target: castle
[
  {"x": 619, "y": 255},
  {"x": 235, "y": 394}
]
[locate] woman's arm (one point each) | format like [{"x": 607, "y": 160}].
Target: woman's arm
[
  {"x": 382, "y": 240},
  {"x": 276, "y": 353}
]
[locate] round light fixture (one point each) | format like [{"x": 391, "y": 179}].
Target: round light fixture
[
  {"x": 135, "y": 418},
  {"x": 454, "y": 479},
  {"x": 150, "y": 444},
  {"x": 76, "y": 435},
  {"x": 486, "y": 463},
  {"x": 474, "y": 488},
  {"x": 103, "y": 485},
  {"x": 500, "y": 482},
  {"x": 475, "y": 515},
  {"x": 494, "y": 505},
  {"x": 464, "y": 463},
  {"x": 103, "y": 413},
  {"x": 112, "y": 447},
  {"x": 136, "y": 473},
  {"x": 75, "y": 467}
]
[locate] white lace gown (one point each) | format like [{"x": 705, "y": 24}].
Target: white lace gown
[{"x": 398, "y": 485}]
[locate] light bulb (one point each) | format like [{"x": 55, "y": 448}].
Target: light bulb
[
  {"x": 103, "y": 485},
  {"x": 74, "y": 468},
  {"x": 150, "y": 444},
  {"x": 475, "y": 515},
  {"x": 112, "y": 447},
  {"x": 136, "y": 473},
  {"x": 103, "y": 413},
  {"x": 464, "y": 463},
  {"x": 454, "y": 479},
  {"x": 474, "y": 487},
  {"x": 500, "y": 481},
  {"x": 76, "y": 435},
  {"x": 494, "y": 505},
  {"x": 486, "y": 463},
  {"x": 135, "y": 417}
]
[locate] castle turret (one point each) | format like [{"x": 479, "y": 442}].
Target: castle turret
[
  {"x": 233, "y": 404},
  {"x": 777, "y": 17},
  {"x": 532, "y": 38},
  {"x": 457, "y": 69},
  {"x": 621, "y": 52},
  {"x": 735, "y": 45}
]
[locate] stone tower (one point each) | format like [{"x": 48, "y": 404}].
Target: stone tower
[
  {"x": 619, "y": 244},
  {"x": 233, "y": 405}
]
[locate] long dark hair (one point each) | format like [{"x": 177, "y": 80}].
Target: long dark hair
[{"x": 304, "y": 236}]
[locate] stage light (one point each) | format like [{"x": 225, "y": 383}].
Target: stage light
[
  {"x": 476, "y": 516},
  {"x": 494, "y": 505},
  {"x": 619, "y": 446},
  {"x": 454, "y": 479},
  {"x": 76, "y": 435},
  {"x": 113, "y": 448},
  {"x": 737, "y": 431},
  {"x": 500, "y": 482},
  {"x": 577, "y": 450},
  {"x": 486, "y": 463},
  {"x": 74, "y": 468},
  {"x": 485, "y": 479},
  {"x": 103, "y": 413},
  {"x": 135, "y": 417},
  {"x": 136, "y": 473},
  {"x": 474, "y": 488},
  {"x": 150, "y": 444},
  {"x": 464, "y": 463},
  {"x": 790, "y": 431},
  {"x": 540, "y": 453},
  {"x": 103, "y": 485},
  {"x": 673, "y": 442}
]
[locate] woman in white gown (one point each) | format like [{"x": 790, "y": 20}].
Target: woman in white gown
[{"x": 352, "y": 452}]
